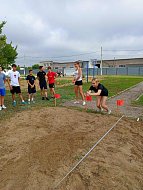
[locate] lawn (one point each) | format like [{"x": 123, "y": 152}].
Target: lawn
[{"x": 114, "y": 84}]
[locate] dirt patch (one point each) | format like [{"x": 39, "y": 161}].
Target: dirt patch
[{"x": 38, "y": 147}]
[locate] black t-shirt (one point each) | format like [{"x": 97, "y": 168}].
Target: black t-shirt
[
  {"x": 31, "y": 79},
  {"x": 104, "y": 91},
  {"x": 41, "y": 75}
]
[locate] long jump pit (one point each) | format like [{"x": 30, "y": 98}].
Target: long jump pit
[{"x": 38, "y": 148}]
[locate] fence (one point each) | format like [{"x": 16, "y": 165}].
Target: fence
[{"x": 137, "y": 71}]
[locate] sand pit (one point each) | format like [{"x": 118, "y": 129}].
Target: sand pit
[{"x": 38, "y": 147}]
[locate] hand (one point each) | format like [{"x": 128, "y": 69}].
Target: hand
[
  {"x": 10, "y": 87},
  {"x": 88, "y": 93}
]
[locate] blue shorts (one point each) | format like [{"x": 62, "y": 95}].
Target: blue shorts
[{"x": 2, "y": 92}]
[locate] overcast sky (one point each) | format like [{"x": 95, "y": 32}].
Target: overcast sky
[{"x": 58, "y": 29}]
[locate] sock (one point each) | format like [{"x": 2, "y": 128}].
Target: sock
[
  {"x": 22, "y": 100},
  {"x": 28, "y": 100},
  {"x": 32, "y": 99}
]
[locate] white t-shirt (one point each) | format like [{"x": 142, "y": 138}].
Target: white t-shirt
[{"x": 14, "y": 78}]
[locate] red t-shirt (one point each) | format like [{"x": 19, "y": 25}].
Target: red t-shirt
[{"x": 51, "y": 77}]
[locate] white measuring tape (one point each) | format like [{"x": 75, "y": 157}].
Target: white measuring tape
[{"x": 89, "y": 151}]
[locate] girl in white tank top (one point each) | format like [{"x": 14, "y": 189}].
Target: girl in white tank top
[{"x": 78, "y": 83}]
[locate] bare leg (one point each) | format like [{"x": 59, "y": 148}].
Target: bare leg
[
  {"x": 52, "y": 90},
  {"x": 21, "y": 97},
  {"x": 81, "y": 92},
  {"x": 2, "y": 100},
  {"x": 76, "y": 92},
  {"x": 13, "y": 97},
  {"x": 103, "y": 103},
  {"x": 98, "y": 102},
  {"x": 46, "y": 94}
]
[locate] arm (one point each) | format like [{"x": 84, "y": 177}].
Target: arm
[
  {"x": 94, "y": 94},
  {"x": 8, "y": 81}
]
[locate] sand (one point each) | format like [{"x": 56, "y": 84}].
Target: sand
[{"x": 38, "y": 148}]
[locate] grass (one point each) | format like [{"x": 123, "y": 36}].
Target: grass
[
  {"x": 139, "y": 102},
  {"x": 114, "y": 84}
]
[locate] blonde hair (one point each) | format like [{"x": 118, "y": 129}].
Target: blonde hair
[{"x": 95, "y": 79}]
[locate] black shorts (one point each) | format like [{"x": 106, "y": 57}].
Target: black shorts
[
  {"x": 31, "y": 90},
  {"x": 43, "y": 85},
  {"x": 15, "y": 89},
  {"x": 52, "y": 85},
  {"x": 78, "y": 83}
]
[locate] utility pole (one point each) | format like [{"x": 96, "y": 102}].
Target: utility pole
[{"x": 101, "y": 60}]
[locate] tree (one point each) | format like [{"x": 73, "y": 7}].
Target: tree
[
  {"x": 36, "y": 66},
  {"x": 8, "y": 53}
]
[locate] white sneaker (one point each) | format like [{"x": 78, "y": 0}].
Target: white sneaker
[
  {"x": 28, "y": 101},
  {"x": 83, "y": 103},
  {"x": 3, "y": 107},
  {"x": 109, "y": 112},
  {"x": 0, "y": 108},
  {"x": 76, "y": 102}
]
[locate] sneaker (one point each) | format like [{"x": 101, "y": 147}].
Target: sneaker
[
  {"x": 83, "y": 103},
  {"x": 3, "y": 107},
  {"x": 28, "y": 102},
  {"x": 0, "y": 108},
  {"x": 43, "y": 98},
  {"x": 47, "y": 98},
  {"x": 14, "y": 103},
  {"x": 76, "y": 102},
  {"x": 33, "y": 101},
  {"x": 109, "y": 112},
  {"x": 23, "y": 103}
]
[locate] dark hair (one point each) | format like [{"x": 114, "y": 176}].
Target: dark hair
[
  {"x": 40, "y": 67},
  {"x": 30, "y": 70},
  {"x": 49, "y": 67},
  {"x": 77, "y": 63},
  {"x": 14, "y": 65}
]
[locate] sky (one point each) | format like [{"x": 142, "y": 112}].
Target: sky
[{"x": 69, "y": 30}]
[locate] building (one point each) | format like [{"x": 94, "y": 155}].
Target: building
[{"x": 67, "y": 68}]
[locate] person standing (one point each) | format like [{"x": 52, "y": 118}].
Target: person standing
[
  {"x": 31, "y": 86},
  {"x": 14, "y": 84},
  {"x": 78, "y": 83},
  {"x": 2, "y": 88},
  {"x": 51, "y": 80},
  {"x": 41, "y": 75},
  {"x": 97, "y": 89}
]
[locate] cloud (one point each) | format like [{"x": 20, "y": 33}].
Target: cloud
[{"x": 50, "y": 28}]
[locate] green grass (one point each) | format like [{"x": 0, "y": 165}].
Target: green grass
[
  {"x": 114, "y": 84},
  {"x": 139, "y": 102}
]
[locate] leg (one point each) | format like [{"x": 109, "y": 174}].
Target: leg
[
  {"x": 103, "y": 103},
  {"x": 52, "y": 90},
  {"x": 2, "y": 101},
  {"x": 81, "y": 92},
  {"x": 13, "y": 97},
  {"x": 76, "y": 92},
  {"x": 45, "y": 92},
  {"x": 21, "y": 97},
  {"x": 98, "y": 102}
]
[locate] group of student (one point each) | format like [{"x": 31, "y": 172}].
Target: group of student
[{"x": 13, "y": 79}]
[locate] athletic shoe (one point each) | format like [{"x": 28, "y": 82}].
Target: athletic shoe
[
  {"x": 76, "y": 102},
  {"x": 33, "y": 101},
  {"x": 83, "y": 103},
  {"x": 109, "y": 112},
  {"x": 28, "y": 102},
  {"x": 3, "y": 107},
  {"x": 0, "y": 108},
  {"x": 47, "y": 98},
  {"x": 14, "y": 103},
  {"x": 43, "y": 98},
  {"x": 23, "y": 103}
]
